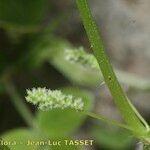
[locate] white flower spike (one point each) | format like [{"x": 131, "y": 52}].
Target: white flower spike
[
  {"x": 47, "y": 99},
  {"x": 81, "y": 57}
]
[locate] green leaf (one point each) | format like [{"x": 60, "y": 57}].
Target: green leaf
[
  {"x": 76, "y": 72},
  {"x": 27, "y": 139},
  {"x": 43, "y": 49},
  {"x": 112, "y": 138},
  {"x": 62, "y": 145},
  {"x": 60, "y": 123},
  {"x": 22, "y": 14},
  {"x": 18, "y": 139},
  {"x": 2, "y": 146},
  {"x": 146, "y": 147}
]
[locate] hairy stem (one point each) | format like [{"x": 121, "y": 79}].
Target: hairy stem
[{"x": 128, "y": 113}]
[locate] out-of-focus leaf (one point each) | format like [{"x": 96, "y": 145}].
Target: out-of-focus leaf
[
  {"x": 77, "y": 73},
  {"x": 62, "y": 145},
  {"x": 42, "y": 50},
  {"x": 113, "y": 138},
  {"x": 65, "y": 147},
  {"x": 60, "y": 123},
  {"x": 27, "y": 139},
  {"x": 83, "y": 75},
  {"x": 1, "y": 88},
  {"x": 22, "y": 14},
  {"x": 2, "y": 146},
  {"x": 19, "y": 138}
]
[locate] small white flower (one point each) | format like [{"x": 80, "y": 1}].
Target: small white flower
[{"x": 47, "y": 99}]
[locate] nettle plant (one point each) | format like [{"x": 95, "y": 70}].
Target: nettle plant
[
  {"x": 47, "y": 99},
  {"x": 61, "y": 112}
]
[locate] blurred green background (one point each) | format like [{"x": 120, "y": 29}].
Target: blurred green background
[{"x": 33, "y": 38}]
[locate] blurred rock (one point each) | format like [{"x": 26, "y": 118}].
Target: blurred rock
[{"x": 125, "y": 26}]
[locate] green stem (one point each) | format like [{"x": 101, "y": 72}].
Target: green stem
[
  {"x": 128, "y": 113},
  {"x": 109, "y": 121},
  {"x": 20, "y": 106}
]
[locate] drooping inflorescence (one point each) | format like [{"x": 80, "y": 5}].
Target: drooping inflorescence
[
  {"x": 47, "y": 99},
  {"x": 81, "y": 57}
]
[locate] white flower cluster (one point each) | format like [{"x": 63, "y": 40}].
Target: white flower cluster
[
  {"x": 47, "y": 99},
  {"x": 81, "y": 57}
]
